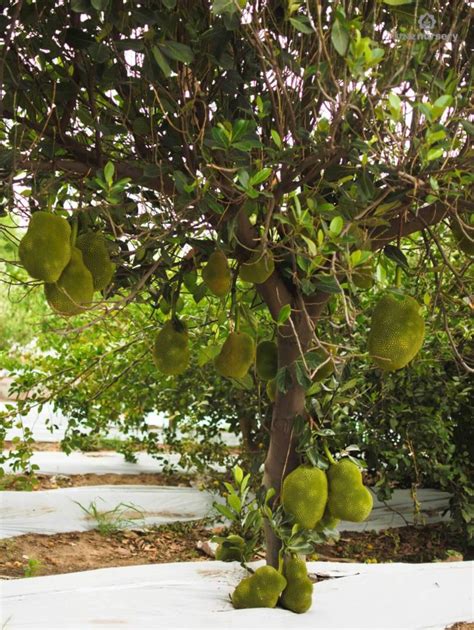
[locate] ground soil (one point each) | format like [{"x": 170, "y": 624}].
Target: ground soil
[
  {"x": 35, "y": 554},
  {"x": 48, "y": 482}
]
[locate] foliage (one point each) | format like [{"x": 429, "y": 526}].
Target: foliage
[
  {"x": 110, "y": 521},
  {"x": 323, "y": 137}
]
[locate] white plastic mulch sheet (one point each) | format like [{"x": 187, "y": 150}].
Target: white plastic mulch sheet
[
  {"x": 100, "y": 462},
  {"x": 53, "y": 511},
  {"x": 196, "y": 595}
]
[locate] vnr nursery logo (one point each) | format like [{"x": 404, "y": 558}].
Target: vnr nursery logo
[{"x": 427, "y": 30}]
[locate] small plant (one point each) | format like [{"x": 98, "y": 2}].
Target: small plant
[
  {"x": 32, "y": 568},
  {"x": 111, "y": 521}
]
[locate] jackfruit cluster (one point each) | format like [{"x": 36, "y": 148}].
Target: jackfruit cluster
[
  {"x": 236, "y": 355},
  {"x": 258, "y": 268},
  {"x": 396, "y": 333},
  {"x": 171, "y": 348},
  {"x": 349, "y": 499},
  {"x": 298, "y": 594},
  {"x": 231, "y": 549},
  {"x": 45, "y": 249},
  {"x": 71, "y": 273},
  {"x": 216, "y": 274},
  {"x": 260, "y": 590},
  {"x": 304, "y": 495},
  {"x": 73, "y": 292},
  {"x": 266, "y": 361}
]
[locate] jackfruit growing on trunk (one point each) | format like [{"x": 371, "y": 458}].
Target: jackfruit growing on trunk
[
  {"x": 73, "y": 292},
  {"x": 396, "y": 333},
  {"x": 349, "y": 499},
  {"x": 260, "y": 590},
  {"x": 45, "y": 250},
  {"x": 304, "y": 495},
  {"x": 96, "y": 258},
  {"x": 267, "y": 360},
  {"x": 171, "y": 348},
  {"x": 258, "y": 268},
  {"x": 298, "y": 594},
  {"x": 236, "y": 355},
  {"x": 216, "y": 274},
  {"x": 464, "y": 236}
]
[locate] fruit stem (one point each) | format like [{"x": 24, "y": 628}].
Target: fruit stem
[
  {"x": 398, "y": 277},
  {"x": 328, "y": 454},
  {"x": 280, "y": 561}
]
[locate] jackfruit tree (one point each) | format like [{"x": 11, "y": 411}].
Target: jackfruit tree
[{"x": 281, "y": 184}]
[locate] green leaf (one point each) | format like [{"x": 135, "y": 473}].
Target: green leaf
[
  {"x": 225, "y": 511},
  {"x": 336, "y": 225},
  {"x": 161, "y": 61},
  {"x": 100, "y": 5},
  {"x": 260, "y": 177},
  {"x": 276, "y": 138},
  {"x": 234, "y": 502},
  {"x": 302, "y": 24},
  {"x": 468, "y": 127},
  {"x": 397, "y": 3},
  {"x": 327, "y": 284},
  {"x": 80, "y": 6},
  {"x": 224, "y": 6},
  {"x": 238, "y": 474},
  {"x": 434, "y": 153},
  {"x": 78, "y": 39},
  {"x": 177, "y": 51},
  {"x": 339, "y": 38},
  {"x": 284, "y": 314},
  {"x": 169, "y": 4},
  {"x": 109, "y": 170},
  {"x": 396, "y": 254}
]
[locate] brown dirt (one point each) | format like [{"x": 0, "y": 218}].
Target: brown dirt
[
  {"x": 429, "y": 543},
  {"x": 39, "y": 554},
  {"x": 37, "y": 446},
  {"x": 51, "y": 482},
  {"x": 461, "y": 625},
  {"x": 80, "y": 551}
]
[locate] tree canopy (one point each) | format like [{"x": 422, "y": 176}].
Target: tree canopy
[{"x": 332, "y": 138}]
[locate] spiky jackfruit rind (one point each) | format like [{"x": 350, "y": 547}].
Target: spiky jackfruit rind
[
  {"x": 328, "y": 521},
  {"x": 349, "y": 499},
  {"x": 232, "y": 549},
  {"x": 73, "y": 292},
  {"x": 96, "y": 258},
  {"x": 216, "y": 274},
  {"x": 396, "y": 333},
  {"x": 171, "y": 348},
  {"x": 271, "y": 389},
  {"x": 304, "y": 495},
  {"x": 266, "y": 361},
  {"x": 45, "y": 250},
  {"x": 260, "y": 590},
  {"x": 258, "y": 268},
  {"x": 236, "y": 356},
  {"x": 298, "y": 594}
]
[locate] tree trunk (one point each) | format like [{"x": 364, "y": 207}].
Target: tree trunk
[{"x": 282, "y": 457}]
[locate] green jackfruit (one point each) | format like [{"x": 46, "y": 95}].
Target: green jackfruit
[
  {"x": 260, "y": 590},
  {"x": 349, "y": 499},
  {"x": 96, "y": 258},
  {"x": 236, "y": 355},
  {"x": 464, "y": 236},
  {"x": 45, "y": 250},
  {"x": 397, "y": 331},
  {"x": 232, "y": 548},
  {"x": 271, "y": 389},
  {"x": 362, "y": 277},
  {"x": 267, "y": 360},
  {"x": 258, "y": 268},
  {"x": 298, "y": 594},
  {"x": 171, "y": 348},
  {"x": 326, "y": 368},
  {"x": 304, "y": 495},
  {"x": 216, "y": 274},
  {"x": 73, "y": 292}
]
